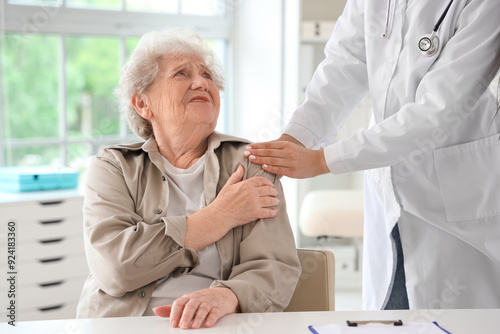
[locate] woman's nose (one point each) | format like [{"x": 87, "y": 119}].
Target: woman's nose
[{"x": 199, "y": 82}]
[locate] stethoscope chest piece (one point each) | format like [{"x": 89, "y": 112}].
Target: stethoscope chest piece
[{"x": 429, "y": 44}]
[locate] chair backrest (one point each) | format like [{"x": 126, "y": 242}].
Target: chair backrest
[{"x": 315, "y": 289}]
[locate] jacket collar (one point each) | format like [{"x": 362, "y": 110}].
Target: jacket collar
[{"x": 214, "y": 141}]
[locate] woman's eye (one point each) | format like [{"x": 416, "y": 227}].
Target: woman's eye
[
  {"x": 207, "y": 76},
  {"x": 181, "y": 73}
]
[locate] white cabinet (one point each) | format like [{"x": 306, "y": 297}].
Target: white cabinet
[{"x": 50, "y": 265}]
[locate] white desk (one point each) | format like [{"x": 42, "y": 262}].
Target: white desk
[{"x": 455, "y": 321}]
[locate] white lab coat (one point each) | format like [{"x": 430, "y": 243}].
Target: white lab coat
[{"x": 432, "y": 152}]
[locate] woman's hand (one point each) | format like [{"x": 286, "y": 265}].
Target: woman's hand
[
  {"x": 287, "y": 156},
  {"x": 201, "y": 307},
  {"x": 238, "y": 203}
]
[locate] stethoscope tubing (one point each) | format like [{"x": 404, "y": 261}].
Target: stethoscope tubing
[{"x": 443, "y": 15}]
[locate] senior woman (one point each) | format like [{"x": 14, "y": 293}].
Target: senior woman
[{"x": 182, "y": 223}]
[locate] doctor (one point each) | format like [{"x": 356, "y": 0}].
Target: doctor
[{"x": 431, "y": 153}]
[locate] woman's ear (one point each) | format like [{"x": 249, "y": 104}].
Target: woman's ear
[{"x": 142, "y": 106}]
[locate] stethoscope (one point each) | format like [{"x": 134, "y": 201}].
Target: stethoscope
[{"x": 429, "y": 43}]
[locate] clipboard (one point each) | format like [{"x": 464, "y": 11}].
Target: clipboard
[{"x": 379, "y": 327}]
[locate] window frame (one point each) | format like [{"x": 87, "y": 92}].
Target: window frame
[{"x": 65, "y": 21}]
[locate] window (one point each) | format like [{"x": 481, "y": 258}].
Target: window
[{"x": 59, "y": 65}]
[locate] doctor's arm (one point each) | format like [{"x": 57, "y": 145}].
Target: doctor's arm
[{"x": 443, "y": 100}]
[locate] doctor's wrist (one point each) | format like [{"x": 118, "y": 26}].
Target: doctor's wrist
[
  {"x": 285, "y": 137},
  {"x": 322, "y": 167}
]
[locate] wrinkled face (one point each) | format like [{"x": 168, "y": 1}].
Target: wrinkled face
[{"x": 183, "y": 96}]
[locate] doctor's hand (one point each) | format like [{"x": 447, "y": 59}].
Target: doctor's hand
[
  {"x": 287, "y": 156},
  {"x": 201, "y": 307}
]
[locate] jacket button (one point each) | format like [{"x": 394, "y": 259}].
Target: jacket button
[
  {"x": 158, "y": 211},
  {"x": 179, "y": 248},
  {"x": 142, "y": 294},
  {"x": 163, "y": 178}
]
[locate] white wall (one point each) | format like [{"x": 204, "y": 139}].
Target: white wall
[
  {"x": 265, "y": 78},
  {"x": 257, "y": 76}
]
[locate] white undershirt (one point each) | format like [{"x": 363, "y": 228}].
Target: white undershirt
[{"x": 186, "y": 196}]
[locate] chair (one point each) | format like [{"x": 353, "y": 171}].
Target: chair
[
  {"x": 315, "y": 289},
  {"x": 332, "y": 213}
]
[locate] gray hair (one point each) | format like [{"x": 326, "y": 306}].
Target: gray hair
[{"x": 141, "y": 70}]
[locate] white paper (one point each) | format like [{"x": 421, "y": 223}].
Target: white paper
[{"x": 378, "y": 328}]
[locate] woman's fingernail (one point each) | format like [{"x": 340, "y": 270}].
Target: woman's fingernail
[
  {"x": 173, "y": 323},
  {"x": 265, "y": 166},
  {"x": 252, "y": 157},
  {"x": 246, "y": 153},
  {"x": 248, "y": 147}
]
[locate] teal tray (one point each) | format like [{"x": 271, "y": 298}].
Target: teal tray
[{"x": 36, "y": 178}]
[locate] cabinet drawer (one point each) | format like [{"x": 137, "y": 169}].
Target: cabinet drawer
[
  {"x": 47, "y": 249},
  {"x": 53, "y": 270},
  {"x": 65, "y": 267},
  {"x": 50, "y": 301},
  {"x": 36, "y": 211},
  {"x": 50, "y": 296},
  {"x": 61, "y": 311},
  {"x": 49, "y": 229}
]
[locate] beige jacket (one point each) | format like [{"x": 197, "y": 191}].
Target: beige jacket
[{"x": 130, "y": 244}]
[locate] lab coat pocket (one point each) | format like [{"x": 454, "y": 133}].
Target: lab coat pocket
[{"x": 469, "y": 179}]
